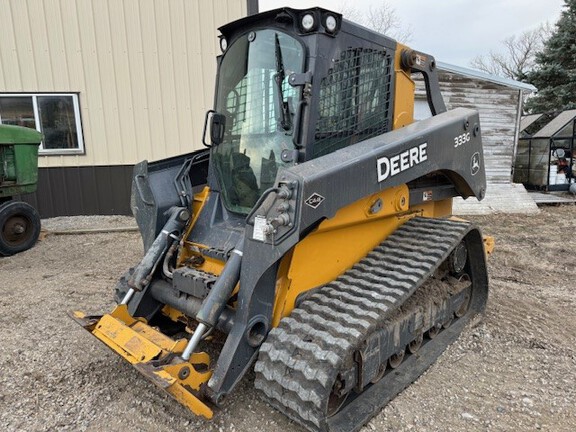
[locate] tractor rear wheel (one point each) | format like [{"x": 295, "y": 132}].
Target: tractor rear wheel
[{"x": 19, "y": 227}]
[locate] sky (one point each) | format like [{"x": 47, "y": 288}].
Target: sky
[{"x": 453, "y": 31}]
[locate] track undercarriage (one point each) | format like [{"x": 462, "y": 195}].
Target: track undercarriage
[{"x": 353, "y": 344}]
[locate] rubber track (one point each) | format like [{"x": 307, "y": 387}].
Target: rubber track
[{"x": 300, "y": 359}]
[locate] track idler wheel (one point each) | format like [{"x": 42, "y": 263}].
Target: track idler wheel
[
  {"x": 415, "y": 345},
  {"x": 457, "y": 259},
  {"x": 433, "y": 331},
  {"x": 395, "y": 360}
]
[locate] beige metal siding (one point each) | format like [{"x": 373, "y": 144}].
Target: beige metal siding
[{"x": 144, "y": 69}]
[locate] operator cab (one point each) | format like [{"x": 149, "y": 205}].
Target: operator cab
[{"x": 286, "y": 93}]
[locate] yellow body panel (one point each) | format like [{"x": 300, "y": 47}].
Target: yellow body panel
[
  {"x": 191, "y": 251},
  {"x": 403, "y": 94}
]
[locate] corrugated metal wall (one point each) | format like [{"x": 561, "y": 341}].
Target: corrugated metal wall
[
  {"x": 144, "y": 69},
  {"x": 498, "y": 108},
  {"x": 87, "y": 190}
]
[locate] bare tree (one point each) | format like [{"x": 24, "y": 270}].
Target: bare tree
[
  {"x": 517, "y": 57},
  {"x": 381, "y": 18},
  {"x": 351, "y": 13}
]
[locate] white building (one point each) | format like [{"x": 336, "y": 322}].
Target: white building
[{"x": 109, "y": 83}]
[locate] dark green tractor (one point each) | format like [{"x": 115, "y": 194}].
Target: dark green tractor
[{"x": 19, "y": 221}]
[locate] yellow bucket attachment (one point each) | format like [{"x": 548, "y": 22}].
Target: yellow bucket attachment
[{"x": 154, "y": 354}]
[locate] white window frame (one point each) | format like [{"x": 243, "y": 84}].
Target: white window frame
[{"x": 75, "y": 100}]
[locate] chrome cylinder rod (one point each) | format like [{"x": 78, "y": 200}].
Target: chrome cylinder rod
[
  {"x": 194, "y": 341},
  {"x": 128, "y": 296}
]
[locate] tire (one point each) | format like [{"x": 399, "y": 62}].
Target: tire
[{"x": 19, "y": 227}]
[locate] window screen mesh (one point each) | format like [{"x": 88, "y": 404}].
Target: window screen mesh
[{"x": 354, "y": 100}]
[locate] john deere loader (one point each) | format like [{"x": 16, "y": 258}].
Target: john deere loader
[{"x": 313, "y": 237}]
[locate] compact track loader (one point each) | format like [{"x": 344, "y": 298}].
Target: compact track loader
[{"x": 313, "y": 236}]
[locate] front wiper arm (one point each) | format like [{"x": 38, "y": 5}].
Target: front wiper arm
[{"x": 283, "y": 107}]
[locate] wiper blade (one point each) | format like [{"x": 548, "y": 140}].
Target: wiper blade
[{"x": 283, "y": 108}]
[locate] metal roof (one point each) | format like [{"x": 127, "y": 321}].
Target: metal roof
[
  {"x": 473, "y": 73},
  {"x": 528, "y": 120},
  {"x": 556, "y": 124}
]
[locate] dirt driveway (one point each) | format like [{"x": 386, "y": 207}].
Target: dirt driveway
[{"x": 514, "y": 371}]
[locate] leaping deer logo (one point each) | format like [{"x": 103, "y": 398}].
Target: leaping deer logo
[{"x": 475, "y": 163}]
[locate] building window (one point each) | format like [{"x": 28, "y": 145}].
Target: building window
[{"x": 56, "y": 115}]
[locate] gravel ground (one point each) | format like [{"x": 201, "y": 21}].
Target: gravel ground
[
  {"x": 65, "y": 223},
  {"x": 513, "y": 371}
]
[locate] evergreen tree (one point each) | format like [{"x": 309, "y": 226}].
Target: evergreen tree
[{"x": 555, "y": 71}]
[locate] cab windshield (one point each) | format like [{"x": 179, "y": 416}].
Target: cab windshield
[{"x": 254, "y": 95}]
